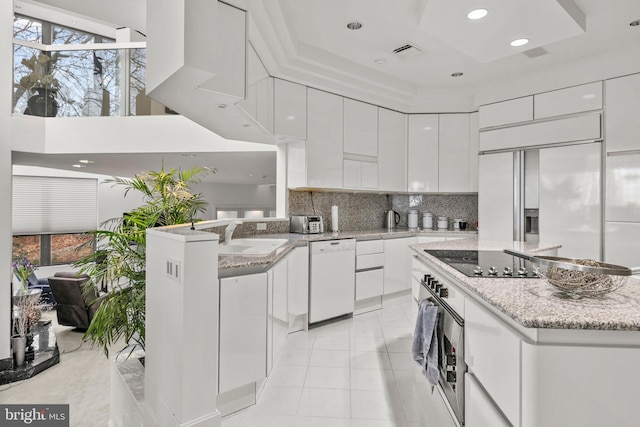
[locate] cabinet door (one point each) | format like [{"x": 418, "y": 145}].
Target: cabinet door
[
  {"x": 360, "y": 128},
  {"x": 623, "y": 188},
  {"x": 474, "y": 147},
  {"x": 392, "y": 150},
  {"x": 453, "y": 152},
  {"x": 369, "y": 177},
  {"x": 574, "y": 99},
  {"x": 290, "y": 105},
  {"x": 569, "y": 200},
  {"x": 351, "y": 174},
  {"x": 495, "y": 197},
  {"x": 243, "y": 330},
  {"x": 492, "y": 355},
  {"x": 506, "y": 112},
  {"x": 397, "y": 264},
  {"x": 324, "y": 139},
  {"x": 249, "y": 103},
  {"x": 369, "y": 284},
  {"x": 623, "y": 110},
  {"x": 422, "y": 152},
  {"x": 280, "y": 311}
]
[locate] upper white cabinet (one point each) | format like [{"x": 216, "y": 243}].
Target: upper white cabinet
[
  {"x": 360, "y": 128},
  {"x": 360, "y": 174},
  {"x": 495, "y": 197},
  {"x": 453, "y": 153},
  {"x": 422, "y": 150},
  {"x": 474, "y": 147},
  {"x": 324, "y": 153},
  {"x": 506, "y": 112},
  {"x": 290, "y": 109},
  {"x": 392, "y": 150},
  {"x": 258, "y": 102},
  {"x": 622, "y": 113},
  {"x": 574, "y": 99}
]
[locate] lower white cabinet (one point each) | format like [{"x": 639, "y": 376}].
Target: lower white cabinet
[
  {"x": 479, "y": 410},
  {"x": 298, "y": 288},
  {"x": 397, "y": 264},
  {"x": 492, "y": 355},
  {"x": 279, "y": 313},
  {"x": 369, "y": 283},
  {"x": 243, "y": 331}
]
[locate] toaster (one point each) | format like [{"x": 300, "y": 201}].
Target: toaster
[{"x": 306, "y": 224}]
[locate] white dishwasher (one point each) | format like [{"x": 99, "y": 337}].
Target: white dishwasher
[{"x": 332, "y": 281}]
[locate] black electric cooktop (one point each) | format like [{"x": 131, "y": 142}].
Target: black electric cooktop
[{"x": 490, "y": 264}]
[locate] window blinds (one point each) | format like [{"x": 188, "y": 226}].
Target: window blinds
[{"x": 48, "y": 205}]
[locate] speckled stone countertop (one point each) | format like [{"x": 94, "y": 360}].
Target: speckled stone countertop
[
  {"x": 234, "y": 265},
  {"x": 534, "y": 303}
]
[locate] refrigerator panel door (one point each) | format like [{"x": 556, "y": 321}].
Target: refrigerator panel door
[
  {"x": 495, "y": 197},
  {"x": 570, "y": 199}
]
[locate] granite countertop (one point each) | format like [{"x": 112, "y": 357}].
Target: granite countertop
[
  {"x": 233, "y": 265},
  {"x": 534, "y": 303}
]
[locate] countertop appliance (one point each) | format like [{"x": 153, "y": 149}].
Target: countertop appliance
[
  {"x": 392, "y": 219},
  {"x": 332, "y": 279},
  {"x": 491, "y": 264},
  {"x": 306, "y": 224},
  {"x": 450, "y": 329}
]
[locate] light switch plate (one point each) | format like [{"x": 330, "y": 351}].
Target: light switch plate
[
  {"x": 174, "y": 270},
  {"x": 261, "y": 226}
]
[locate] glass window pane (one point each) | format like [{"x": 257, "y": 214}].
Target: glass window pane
[
  {"x": 62, "y": 35},
  {"x": 67, "y": 248},
  {"x": 27, "y": 247},
  {"x": 139, "y": 102},
  {"x": 226, "y": 214},
  {"x": 27, "y": 29}
]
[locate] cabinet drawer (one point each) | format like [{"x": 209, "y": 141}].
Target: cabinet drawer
[
  {"x": 369, "y": 247},
  {"x": 369, "y": 261},
  {"x": 369, "y": 284}
]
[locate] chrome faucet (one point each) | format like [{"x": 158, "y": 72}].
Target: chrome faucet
[{"x": 228, "y": 232}]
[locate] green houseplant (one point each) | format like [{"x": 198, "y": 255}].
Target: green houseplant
[{"x": 119, "y": 259}]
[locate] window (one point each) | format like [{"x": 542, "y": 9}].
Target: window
[{"x": 51, "y": 249}]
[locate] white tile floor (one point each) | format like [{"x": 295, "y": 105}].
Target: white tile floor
[{"x": 354, "y": 373}]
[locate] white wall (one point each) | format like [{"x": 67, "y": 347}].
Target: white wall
[{"x": 6, "y": 75}]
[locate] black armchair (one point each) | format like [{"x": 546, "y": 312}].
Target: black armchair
[{"x": 74, "y": 305}]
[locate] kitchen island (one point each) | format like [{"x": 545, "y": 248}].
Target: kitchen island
[{"x": 535, "y": 357}]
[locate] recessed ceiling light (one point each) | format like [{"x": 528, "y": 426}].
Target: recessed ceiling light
[
  {"x": 290, "y": 117},
  {"x": 589, "y": 96},
  {"x": 355, "y": 25},
  {"x": 458, "y": 74},
  {"x": 635, "y": 23},
  {"x": 221, "y": 105},
  {"x": 87, "y": 162},
  {"x": 519, "y": 42},
  {"x": 477, "y": 14},
  {"x": 79, "y": 166},
  {"x": 427, "y": 128},
  {"x": 380, "y": 61}
]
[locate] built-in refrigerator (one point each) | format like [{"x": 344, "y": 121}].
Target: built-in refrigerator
[{"x": 551, "y": 195}]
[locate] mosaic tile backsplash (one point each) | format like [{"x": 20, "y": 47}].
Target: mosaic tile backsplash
[{"x": 365, "y": 211}]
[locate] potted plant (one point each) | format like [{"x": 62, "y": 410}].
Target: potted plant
[
  {"x": 23, "y": 268},
  {"x": 41, "y": 83},
  {"x": 119, "y": 259}
]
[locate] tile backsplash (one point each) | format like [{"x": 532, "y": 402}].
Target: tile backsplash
[{"x": 363, "y": 211}]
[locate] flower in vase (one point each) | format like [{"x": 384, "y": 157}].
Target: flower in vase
[{"x": 23, "y": 268}]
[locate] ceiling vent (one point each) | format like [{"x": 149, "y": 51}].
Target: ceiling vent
[
  {"x": 407, "y": 50},
  {"x": 536, "y": 52}
]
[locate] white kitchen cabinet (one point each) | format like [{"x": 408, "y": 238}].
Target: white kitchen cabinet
[
  {"x": 298, "y": 288},
  {"x": 243, "y": 330},
  {"x": 324, "y": 153},
  {"x": 290, "y": 109},
  {"x": 392, "y": 150},
  {"x": 492, "y": 355},
  {"x": 359, "y": 174},
  {"x": 569, "y": 129},
  {"x": 495, "y": 197},
  {"x": 422, "y": 153},
  {"x": 621, "y": 243},
  {"x": 622, "y": 112},
  {"x": 570, "y": 100},
  {"x": 369, "y": 284},
  {"x": 479, "y": 410},
  {"x": 258, "y": 102},
  {"x": 360, "y": 128},
  {"x": 506, "y": 112},
  {"x": 474, "y": 140},
  {"x": 453, "y": 153},
  {"x": 397, "y": 264},
  {"x": 623, "y": 188},
  {"x": 280, "y": 314},
  {"x": 370, "y": 261},
  {"x": 570, "y": 201}
]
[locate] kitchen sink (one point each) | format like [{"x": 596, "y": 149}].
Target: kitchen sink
[{"x": 249, "y": 247}]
